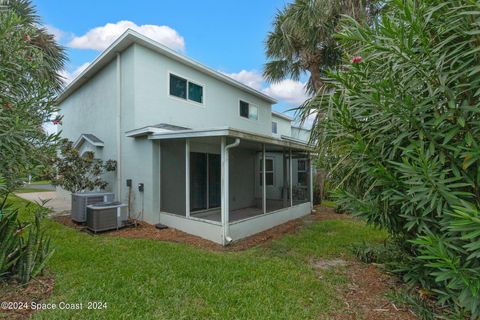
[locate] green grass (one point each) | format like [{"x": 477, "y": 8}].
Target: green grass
[
  {"x": 30, "y": 190},
  {"x": 146, "y": 279},
  {"x": 41, "y": 182},
  {"x": 329, "y": 204}
]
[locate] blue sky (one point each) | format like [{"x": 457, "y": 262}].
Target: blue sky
[{"x": 225, "y": 35}]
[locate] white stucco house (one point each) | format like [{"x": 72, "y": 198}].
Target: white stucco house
[{"x": 200, "y": 143}]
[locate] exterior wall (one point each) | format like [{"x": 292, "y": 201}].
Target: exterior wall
[
  {"x": 93, "y": 104},
  {"x": 300, "y": 134},
  {"x": 208, "y": 230},
  {"x": 248, "y": 227},
  {"x": 153, "y": 104},
  {"x": 283, "y": 126}
]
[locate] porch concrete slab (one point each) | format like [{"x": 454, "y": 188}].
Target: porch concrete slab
[{"x": 57, "y": 204}]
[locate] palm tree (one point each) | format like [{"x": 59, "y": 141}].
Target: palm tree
[
  {"x": 302, "y": 40},
  {"x": 21, "y": 15}
]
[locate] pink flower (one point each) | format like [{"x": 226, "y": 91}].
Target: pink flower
[
  {"x": 57, "y": 121},
  {"x": 26, "y": 38},
  {"x": 357, "y": 59}
]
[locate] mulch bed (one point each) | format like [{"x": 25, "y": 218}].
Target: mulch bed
[
  {"x": 365, "y": 296},
  {"x": 38, "y": 290},
  {"x": 147, "y": 231}
]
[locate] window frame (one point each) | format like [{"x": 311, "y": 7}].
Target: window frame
[
  {"x": 304, "y": 171},
  {"x": 267, "y": 171},
  {"x": 189, "y": 80},
  {"x": 275, "y": 124},
  {"x": 249, "y": 105}
]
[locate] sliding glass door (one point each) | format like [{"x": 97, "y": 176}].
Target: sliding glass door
[{"x": 204, "y": 181}]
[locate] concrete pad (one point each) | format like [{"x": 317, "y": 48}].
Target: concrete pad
[{"x": 57, "y": 204}]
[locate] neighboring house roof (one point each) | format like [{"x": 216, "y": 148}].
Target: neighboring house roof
[
  {"x": 281, "y": 115},
  {"x": 157, "y": 128},
  {"x": 130, "y": 37},
  {"x": 90, "y": 138}
]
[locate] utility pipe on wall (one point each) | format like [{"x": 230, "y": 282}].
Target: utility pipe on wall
[{"x": 225, "y": 174}]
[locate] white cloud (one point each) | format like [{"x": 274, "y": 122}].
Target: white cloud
[
  {"x": 100, "y": 38},
  {"x": 250, "y": 78},
  {"x": 69, "y": 76},
  {"x": 58, "y": 34},
  {"x": 288, "y": 91}
]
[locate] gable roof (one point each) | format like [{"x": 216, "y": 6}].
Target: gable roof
[
  {"x": 130, "y": 37},
  {"x": 90, "y": 138}
]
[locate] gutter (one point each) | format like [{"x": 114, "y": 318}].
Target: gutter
[{"x": 225, "y": 227}]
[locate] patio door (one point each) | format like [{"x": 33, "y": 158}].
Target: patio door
[{"x": 204, "y": 181}]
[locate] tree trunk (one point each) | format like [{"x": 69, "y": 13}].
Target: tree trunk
[{"x": 316, "y": 76}]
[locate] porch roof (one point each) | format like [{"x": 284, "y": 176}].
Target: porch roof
[{"x": 284, "y": 141}]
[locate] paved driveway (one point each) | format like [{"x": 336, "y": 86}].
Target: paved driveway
[{"x": 57, "y": 204}]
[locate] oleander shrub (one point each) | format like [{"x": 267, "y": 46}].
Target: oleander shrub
[
  {"x": 399, "y": 131},
  {"x": 25, "y": 248}
]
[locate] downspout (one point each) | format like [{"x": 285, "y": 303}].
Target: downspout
[
  {"x": 119, "y": 122},
  {"x": 226, "y": 232}
]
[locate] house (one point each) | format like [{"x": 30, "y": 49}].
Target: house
[{"x": 193, "y": 146}]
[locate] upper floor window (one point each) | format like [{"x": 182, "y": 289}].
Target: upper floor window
[
  {"x": 182, "y": 88},
  {"x": 274, "y": 127},
  {"x": 248, "y": 111}
]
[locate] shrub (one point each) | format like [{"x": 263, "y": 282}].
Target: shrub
[
  {"x": 75, "y": 172},
  {"x": 25, "y": 248},
  {"x": 400, "y": 135}
]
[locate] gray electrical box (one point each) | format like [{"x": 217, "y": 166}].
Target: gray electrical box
[
  {"x": 81, "y": 200},
  {"x": 106, "y": 216}
]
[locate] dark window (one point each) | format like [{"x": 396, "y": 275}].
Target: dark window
[
  {"x": 268, "y": 172},
  {"x": 274, "y": 127},
  {"x": 302, "y": 165},
  {"x": 302, "y": 172},
  {"x": 178, "y": 87},
  {"x": 243, "y": 109},
  {"x": 195, "y": 92}
]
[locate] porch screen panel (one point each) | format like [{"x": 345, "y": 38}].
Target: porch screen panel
[
  {"x": 198, "y": 181},
  {"x": 214, "y": 177},
  {"x": 278, "y": 183},
  {"x": 301, "y": 178}
]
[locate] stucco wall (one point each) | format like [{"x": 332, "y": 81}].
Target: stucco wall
[
  {"x": 300, "y": 134},
  {"x": 283, "y": 126},
  {"x": 153, "y": 104}
]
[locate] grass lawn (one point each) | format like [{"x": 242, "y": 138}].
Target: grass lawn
[
  {"x": 30, "y": 190},
  {"x": 147, "y": 279},
  {"x": 41, "y": 182}
]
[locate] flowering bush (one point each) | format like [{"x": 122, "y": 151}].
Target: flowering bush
[{"x": 400, "y": 133}]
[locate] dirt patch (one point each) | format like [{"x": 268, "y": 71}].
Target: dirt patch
[
  {"x": 147, "y": 231},
  {"x": 38, "y": 290},
  {"x": 365, "y": 296},
  {"x": 328, "y": 264}
]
